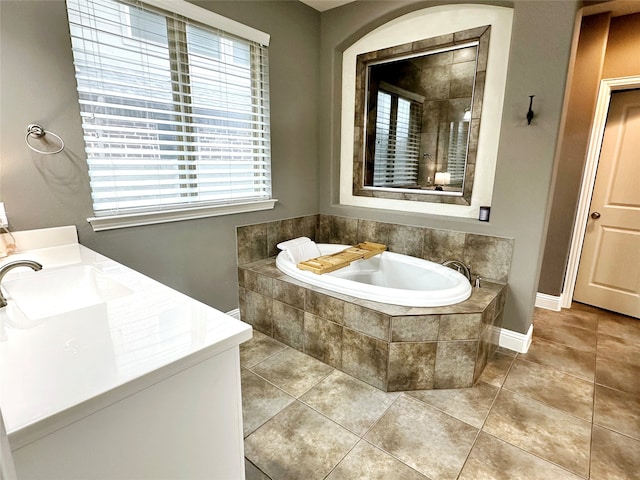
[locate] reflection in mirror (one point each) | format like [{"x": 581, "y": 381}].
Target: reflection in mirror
[{"x": 418, "y": 109}]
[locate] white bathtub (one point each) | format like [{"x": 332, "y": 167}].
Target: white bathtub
[{"x": 388, "y": 278}]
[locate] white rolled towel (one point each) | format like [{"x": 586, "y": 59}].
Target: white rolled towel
[{"x": 300, "y": 249}]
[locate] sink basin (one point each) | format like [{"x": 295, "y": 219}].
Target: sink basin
[{"x": 45, "y": 294}]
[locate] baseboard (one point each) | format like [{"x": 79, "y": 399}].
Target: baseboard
[
  {"x": 518, "y": 342},
  {"x": 235, "y": 313},
  {"x": 549, "y": 302}
]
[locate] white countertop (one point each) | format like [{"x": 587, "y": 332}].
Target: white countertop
[{"x": 60, "y": 368}]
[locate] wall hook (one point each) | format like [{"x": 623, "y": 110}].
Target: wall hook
[{"x": 530, "y": 112}]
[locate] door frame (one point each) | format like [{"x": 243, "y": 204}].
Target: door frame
[{"x": 607, "y": 87}]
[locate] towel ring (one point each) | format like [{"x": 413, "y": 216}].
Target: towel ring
[{"x": 38, "y": 132}]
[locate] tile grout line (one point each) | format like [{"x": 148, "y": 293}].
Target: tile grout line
[
  {"x": 475, "y": 441},
  {"x": 266, "y": 358},
  {"x": 509, "y": 443},
  {"x": 595, "y": 374}
]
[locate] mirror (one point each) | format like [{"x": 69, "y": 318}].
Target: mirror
[{"x": 418, "y": 110}]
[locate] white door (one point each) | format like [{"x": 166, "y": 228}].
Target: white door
[{"x": 609, "y": 271}]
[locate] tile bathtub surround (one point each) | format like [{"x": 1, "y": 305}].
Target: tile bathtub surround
[
  {"x": 488, "y": 256},
  {"x": 527, "y": 417},
  {"x": 390, "y": 347}
]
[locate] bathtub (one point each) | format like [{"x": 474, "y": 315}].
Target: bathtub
[{"x": 387, "y": 278}]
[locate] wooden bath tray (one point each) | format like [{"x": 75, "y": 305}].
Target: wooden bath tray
[{"x": 335, "y": 261}]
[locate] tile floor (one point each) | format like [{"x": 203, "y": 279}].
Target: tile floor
[{"x": 568, "y": 409}]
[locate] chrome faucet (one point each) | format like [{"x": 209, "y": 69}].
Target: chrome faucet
[
  {"x": 456, "y": 265},
  {"x": 10, "y": 266}
]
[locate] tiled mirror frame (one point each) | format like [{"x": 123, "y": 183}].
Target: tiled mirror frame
[{"x": 482, "y": 35}]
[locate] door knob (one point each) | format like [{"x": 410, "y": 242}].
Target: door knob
[{"x": 595, "y": 215}]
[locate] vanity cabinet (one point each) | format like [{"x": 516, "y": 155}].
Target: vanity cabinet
[
  {"x": 186, "y": 426},
  {"x": 128, "y": 379}
]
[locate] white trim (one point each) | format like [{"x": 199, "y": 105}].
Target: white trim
[
  {"x": 607, "y": 86},
  {"x": 518, "y": 342},
  {"x": 208, "y": 17},
  {"x": 150, "y": 218},
  {"x": 549, "y": 302},
  {"x": 235, "y": 313}
]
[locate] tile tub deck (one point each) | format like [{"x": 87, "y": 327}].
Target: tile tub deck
[{"x": 391, "y": 347}]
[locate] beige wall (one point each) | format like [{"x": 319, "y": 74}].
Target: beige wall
[{"x": 608, "y": 48}]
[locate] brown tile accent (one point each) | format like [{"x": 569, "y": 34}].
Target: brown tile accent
[
  {"x": 441, "y": 245},
  {"x": 498, "y": 460},
  {"x": 489, "y": 257},
  {"x": 365, "y": 358},
  {"x": 551, "y": 387},
  {"x": 295, "y": 453},
  {"x": 544, "y": 431},
  {"x": 323, "y": 340},
  {"x": 292, "y": 371},
  {"x": 455, "y": 364},
  {"x": 618, "y": 348},
  {"x": 370, "y": 231},
  {"x": 367, "y": 461},
  {"x": 260, "y": 401},
  {"x": 619, "y": 326},
  {"x": 618, "y": 411},
  {"x": 471, "y": 405},
  {"x": 411, "y": 366},
  {"x": 288, "y": 325},
  {"x": 497, "y": 368},
  {"x": 432, "y": 442},
  {"x": 563, "y": 333},
  {"x": 287, "y": 229},
  {"x": 325, "y": 306},
  {"x": 349, "y": 402},
  {"x": 258, "y": 283},
  {"x": 566, "y": 359},
  {"x": 289, "y": 293},
  {"x": 622, "y": 376},
  {"x": 613, "y": 455},
  {"x": 366, "y": 321},
  {"x": 460, "y": 326},
  {"x": 259, "y": 348},
  {"x": 416, "y": 328},
  {"x": 251, "y": 241},
  {"x": 258, "y": 312},
  {"x": 406, "y": 240}
]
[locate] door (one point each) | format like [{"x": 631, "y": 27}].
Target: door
[{"x": 609, "y": 271}]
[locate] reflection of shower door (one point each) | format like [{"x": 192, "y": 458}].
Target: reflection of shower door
[
  {"x": 457, "y": 154},
  {"x": 397, "y": 142}
]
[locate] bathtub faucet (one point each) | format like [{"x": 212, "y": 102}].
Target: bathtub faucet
[
  {"x": 10, "y": 266},
  {"x": 460, "y": 267}
]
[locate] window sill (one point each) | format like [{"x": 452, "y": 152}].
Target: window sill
[{"x": 149, "y": 218}]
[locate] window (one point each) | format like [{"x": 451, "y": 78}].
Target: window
[
  {"x": 397, "y": 141},
  {"x": 175, "y": 112}
]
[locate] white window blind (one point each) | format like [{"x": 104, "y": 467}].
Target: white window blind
[
  {"x": 175, "y": 113},
  {"x": 397, "y": 141}
]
